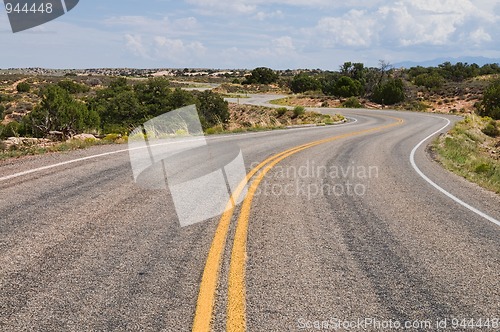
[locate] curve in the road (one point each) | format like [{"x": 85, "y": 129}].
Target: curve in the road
[
  {"x": 432, "y": 183},
  {"x": 236, "y": 316}
]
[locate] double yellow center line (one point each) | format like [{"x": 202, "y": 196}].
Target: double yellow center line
[{"x": 236, "y": 305}]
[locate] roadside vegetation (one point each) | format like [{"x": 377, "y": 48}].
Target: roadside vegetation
[
  {"x": 54, "y": 110},
  {"x": 42, "y": 114},
  {"x": 472, "y": 150}
]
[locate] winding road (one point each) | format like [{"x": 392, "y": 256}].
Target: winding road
[{"x": 341, "y": 228}]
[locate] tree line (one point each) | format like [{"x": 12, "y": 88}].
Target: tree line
[
  {"x": 386, "y": 85},
  {"x": 380, "y": 85},
  {"x": 118, "y": 108}
]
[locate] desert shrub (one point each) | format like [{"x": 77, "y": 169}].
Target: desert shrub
[
  {"x": 94, "y": 81},
  {"x": 59, "y": 111},
  {"x": 389, "y": 93},
  {"x": 214, "y": 130},
  {"x": 491, "y": 129},
  {"x": 23, "y": 87},
  {"x": 5, "y": 98},
  {"x": 73, "y": 87},
  {"x": 352, "y": 102},
  {"x": 212, "y": 109},
  {"x": 417, "y": 106},
  {"x": 430, "y": 81},
  {"x": 490, "y": 106},
  {"x": 483, "y": 168},
  {"x": 11, "y": 130},
  {"x": 281, "y": 111},
  {"x": 262, "y": 75},
  {"x": 298, "y": 111},
  {"x": 347, "y": 87},
  {"x": 303, "y": 83},
  {"x": 112, "y": 137}
]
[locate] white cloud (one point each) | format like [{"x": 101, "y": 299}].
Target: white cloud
[
  {"x": 414, "y": 22},
  {"x": 480, "y": 36},
  {"x": 354, "y": 29},
  {"x": 177, "y": 50},
  {"x": 161, "y": 49},
  {"x": 159, "y": 40},
  {"x": 407, "y": 23},
  {"x": 135, "y": 45},
  {"x": 279, "y": 52}
]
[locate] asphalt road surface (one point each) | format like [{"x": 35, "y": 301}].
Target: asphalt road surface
[{"x": 341, "y": 233}]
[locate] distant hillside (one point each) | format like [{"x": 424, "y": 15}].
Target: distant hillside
[{"x": 433, "y": 63}]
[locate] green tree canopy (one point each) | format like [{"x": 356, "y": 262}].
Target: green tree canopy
[
  {"x": 213, "y": 109},
  {"x": 490, "y": 105},
  {"x": 154, "y": 95},
  {"x": 389, "y": 93},
  {"x": 23, "y": 87},
  {"x": 303, "y": 83},
  {"x": 430, "y": 81},
  {"x": 262, "y": 75},
  {"x": 347, "y": 87},
  {"x": 356, "y": 71},
  {"x": 59, "y": 111},
  {"x": 73, "y": 87}
]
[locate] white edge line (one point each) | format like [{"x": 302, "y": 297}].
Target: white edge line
[
  {"x": 44, "y": 168},
  {"x": 449, "y": 195}
]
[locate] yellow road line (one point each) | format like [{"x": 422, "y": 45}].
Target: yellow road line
[
  {"x": 208, "y": 285},
  {"x": 236, "y": 306}
]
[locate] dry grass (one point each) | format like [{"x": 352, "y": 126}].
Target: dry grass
[{"x": 468, "y": 152}]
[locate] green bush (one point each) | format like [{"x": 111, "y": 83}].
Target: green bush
[
  {"x": 352, "y": 102},
  {"x": 281, "y": 111},
  {"x": 490, "y": 106},
  {"x": 430, "y": 81},
  {"x": 483, "y": 168},
  {"x": 213, "y": 109},
  {"x": 23, "y": 87},
  {"x": 11, "y": 130},
  {"x": 5, "y": 98},
  {"x": 112, "y": 138},
  {"x": 491, "y": 129},
  {"x": 389, "y": 93},
  {"x": 417, "y": 106},
  {"x": 73, "y": 87},
  {"x": 302, "y": 83},
  {"x": 262, "y": 75},
  {"x": 214, "y": 130},
  {"x": 59, "y": 111},
  {"x": 347, "y": 87},
  {"x": 298, "y": 111}
]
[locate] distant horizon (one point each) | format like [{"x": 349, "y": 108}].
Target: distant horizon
[{"x": 480, "y": 61}]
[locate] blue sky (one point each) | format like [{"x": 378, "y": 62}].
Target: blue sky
[{"x": 248, "y": 33}]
